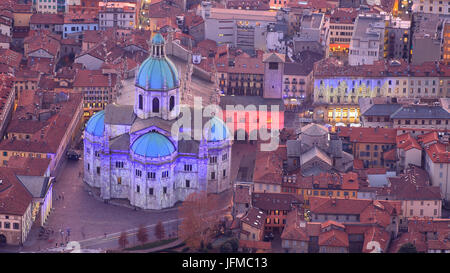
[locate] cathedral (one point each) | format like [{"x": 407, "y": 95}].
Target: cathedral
[{"x": 131, "y": 151}]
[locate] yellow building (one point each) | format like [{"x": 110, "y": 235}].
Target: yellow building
[
  {"x": 22, "y": 14},
  {"x": 323, "y": 185}
]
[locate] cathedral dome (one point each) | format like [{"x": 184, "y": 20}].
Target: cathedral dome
[
  {"x": 217, "y": 130},
  {"x": 157, "y": 72},
  {"x": 153, "y": 145},
  {"x": 96, "y": 124}
]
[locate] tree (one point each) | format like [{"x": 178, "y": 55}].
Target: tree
[
  {"x": 159, "y": 231},
  {"x": 407, "y": 248},
  {"x": 123, "y": 240},
  {"x": 200, "y": 217},
  {"x": 142, "y": 235}
]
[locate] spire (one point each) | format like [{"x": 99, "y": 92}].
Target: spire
[{"x": 157, "y": 44}]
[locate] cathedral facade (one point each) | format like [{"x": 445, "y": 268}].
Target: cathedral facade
[{"x": 131, "y": 151}]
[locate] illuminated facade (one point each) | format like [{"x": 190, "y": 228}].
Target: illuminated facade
[
  {"x": 130, "y": 152},
  {"x": 341, "y": 27},
  {"x": 338, "y": 88}
]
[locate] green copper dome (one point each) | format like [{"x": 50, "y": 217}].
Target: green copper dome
[
  {"x": 157, "y": 72},
  {"x": 96, "y": 124},
  {"x": 153, "y": 144}
]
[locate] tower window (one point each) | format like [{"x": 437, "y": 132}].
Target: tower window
[
  {"x": 164, "y": 190},
  {"x": 155, "y": 105},
  {"x": 188, "y": 183},
  {"x": 138, "y": 189},
  {"x": 141, "y": 102},
  {"x": 150, "y": 191},
  {"x": 171, "y": 103},
  {"x": 273, "y": 66}
]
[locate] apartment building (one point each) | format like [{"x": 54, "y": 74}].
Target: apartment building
[
  {"x": 413, "y": 188},
  {"x": 398, "y": 33},
  {"x": 368, "y": 144},
  {"x": 341, "y": 25},
  {"x": 428, "y": 38},
  {"x": 117, "y": 14},
  {"x": 437, "y": 164},
  {"x": 367, "y": 42},
  {"x": 98, "y": 90},
  {"x": 240, "y": 28},
  {"x": 432, "y": 6},
  {"x": 46, "y": 6}
]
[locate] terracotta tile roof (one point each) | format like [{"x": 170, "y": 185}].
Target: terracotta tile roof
[
  {"x": 369, "y": 135},
  {"x": 255, "y": 218},
  {"x": 334, "y": 238},
  {"x": 407, "y": 142},
  {"x": 48, "y": 139},
  {"x": 331, "y": 223},
  {"x": 268, "y": 165},
  {"x": 438, "y": 153},
  {"x": 14, "y": 197},
  {"x": 242, "y": 195},
  {"x": 343, "y": 16},
  {"x": 427, "y": 224},
  {"x": 369, "y": 210},
  {"x": 9, "y": 57},
  {"x": 80, "y": 18},
  {"x": 255, "y": 244},
  {"x": 390, "y": 155},
  {"x": 331, "y": 67},
  {"x": 29, "y": 165},
  {"x": 416, "y": 238},
  {"x": 248, "y": 4},
  {"x": 27, "y": 75},
  {"x": 441, "y": 243},
  {"x": 41, "y": 65},
  {"x": 294, "y": 229},
  {"x": 45, "y": 43},
  {"x": 274, "y": 201},
  {"x": 192, "y": 20},
  {"x": 47, "y": 18},
  {"x": 380, "y": 170},
  {"x": 22, "y": 8},
  {"x": 6, "y": 89},
  {"x": 358, "y": 164},
  {"x": 428, "y": 138},
  {"x": 162, "y": 10},
  {"x": 93, "y": 78}
]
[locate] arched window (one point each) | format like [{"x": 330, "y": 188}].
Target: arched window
[
  {"x": 155, "y": 105},
  {"x": 171, "y": 103},
  {"x": 141, "y": 102}
]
